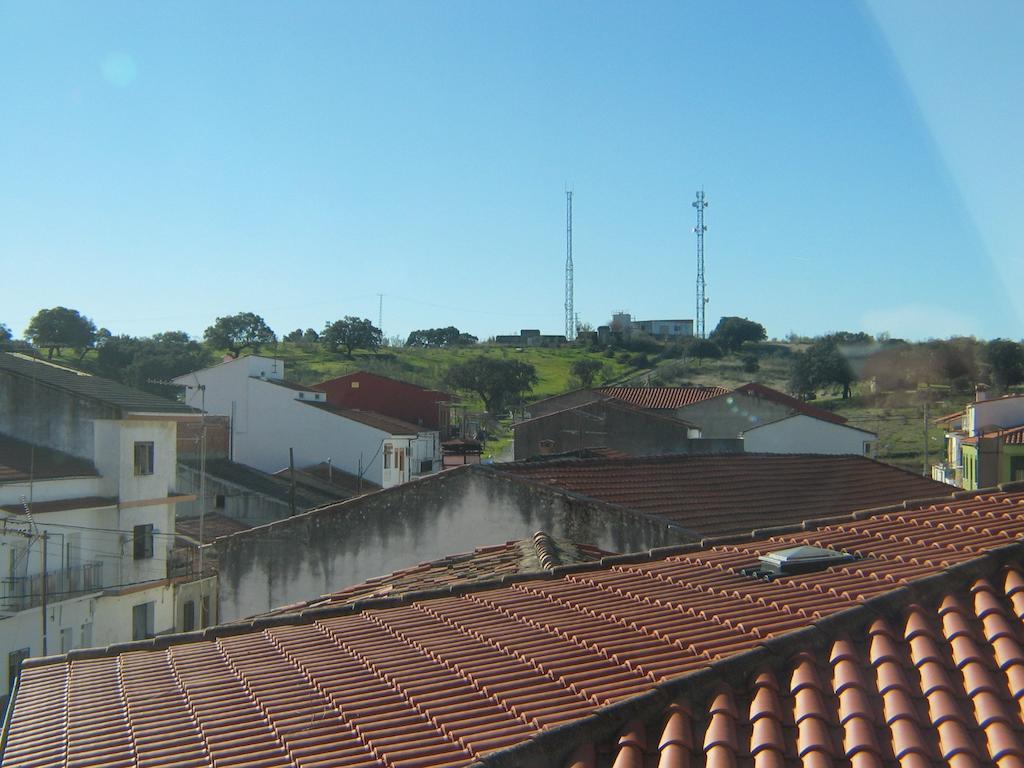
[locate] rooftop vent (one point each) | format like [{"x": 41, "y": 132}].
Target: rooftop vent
[{"x": 804, "y": 559}]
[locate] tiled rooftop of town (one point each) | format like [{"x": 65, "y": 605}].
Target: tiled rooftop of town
[
  {"x": 711, "y": 495},
  {"x": 541, "y": 552},
  {"x": 662, "y": 398},
  {"x": 910, "y": 655}
]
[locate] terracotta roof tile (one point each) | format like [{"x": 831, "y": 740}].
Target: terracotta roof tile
[
  {"x": 662, "y": 398},
  {"x": 676, "y": 660},
  {"x": 719, "y": 494}
]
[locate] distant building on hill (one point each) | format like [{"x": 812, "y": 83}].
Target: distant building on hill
[
  {"x": 623, "y": 322},
  {"x": 531, "y": 337}
]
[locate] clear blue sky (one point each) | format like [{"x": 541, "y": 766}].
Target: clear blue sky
[{"x": 165, "y": 163}]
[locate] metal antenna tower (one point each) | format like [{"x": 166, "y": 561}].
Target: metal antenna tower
[
  {"x": 380, "y": 312},
  {"x": 570, "y": 316},
  {"x": 700, "y": 204}
]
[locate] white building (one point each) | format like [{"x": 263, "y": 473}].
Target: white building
[
  {"x": 87, "y": 469},
  {"x": 800, "y": 433},
  {"x": 271, "y": 416}
]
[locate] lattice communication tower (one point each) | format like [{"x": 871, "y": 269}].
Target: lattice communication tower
[{"x": 700, "y": 204}]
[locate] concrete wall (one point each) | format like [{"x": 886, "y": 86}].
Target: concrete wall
[
  {"x": 68, "y": 421},
  {"x": 805, "y": 434},
  {"x": 730, "y": 415},
  {"x": 456, "y": 511},
  {"x": 600, "y": 425},
  {"x": 240, "y": 503}
]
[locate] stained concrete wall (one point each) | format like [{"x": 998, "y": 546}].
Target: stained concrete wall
[
  {"x": 240, "y": 503},
  {"x": 68, "y": 422},
  {"x": 729, "y": 415},
  {"x": 456, "y": 511}
]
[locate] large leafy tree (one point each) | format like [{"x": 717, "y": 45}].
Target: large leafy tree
[
  {"x": 705, "y": 349},
  {"x": 234, "y": 333},
  {"x": 54, "y": 329},
  {"x": 351, "y": 333},
  {"x": 5, "y": 335},
  {"x": 148, "y": 363},
  {"x": 440, "y": 337},
  {"x": 1005, "y": 360},
  {"x": 585, "y": 370},
  {"x": 731, "y": 332},
  {"x": 821, "y": 365},
  {"x": 498, "y": 382}
]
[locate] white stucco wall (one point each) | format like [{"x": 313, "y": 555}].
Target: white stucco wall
[
  {"x": 93, "y": 620},
  {"x": 1004, "y": 412},
  {"x": 805, "y": 434}
]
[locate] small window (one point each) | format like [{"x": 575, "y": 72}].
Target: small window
[
  {"x": 189, "y": 618},
  {"x": 14, "y": 659},
  {"x": 142, "y": 541},
  {"x": 205, "y": 611},
  {"x": 144, "y": 458},
  {"x": 142, "y": 621},
  {"x": 400, "y": 455},
  {"x": 388, "y": 455},
  {"x": 220, "y": 501},
  {"x": 355, "y": 385}
]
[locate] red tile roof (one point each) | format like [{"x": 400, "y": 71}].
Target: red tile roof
[
  {"x": 379, "y": 421},
  {"x": 753, "y": 389},
  {"x": 662, "y": 398},
  {"x": 542, "y": 552},
  {"x": 712, "y": 495},
  {"x": 911, "y": 655},
  {"x": 1012, "y": 436}
]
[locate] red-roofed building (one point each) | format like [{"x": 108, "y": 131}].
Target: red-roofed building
[
  {"x": 984, "y": 443},
  {"x": 884, "y": 638},
  {"x": 366, "y": 391}
]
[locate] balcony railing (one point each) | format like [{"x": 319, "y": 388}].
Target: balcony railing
[
  {"x": 946, "y": 473},
  {"x": 20, "y": 593}
]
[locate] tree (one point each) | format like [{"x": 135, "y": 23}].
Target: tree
[
  {"x": 440, "y": 337},
  {"x": 5, "y": 335},
  {"x": 54, "y": 329},
  {"x": 821, "y": 365},
  {"x": 293, "y": 337},
  {"x": 351, "y": 333},
  {"x": 496, "y": 380},
  {"x": 705, "y": 349},
  {"x": 1006, "y": 362},
  {"x": 585, "y": 370},
  {"x": 234, "y": 333},
  {"x": 731, "y": 332},
  {"x": 145, "y": 363}
]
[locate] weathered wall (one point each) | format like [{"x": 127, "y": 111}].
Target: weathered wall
[
  {"x": 729, "y": 415},
  {"x": 240, "y": 503},
  {"x": 325, "y": 550},
  {"x": 600, "y": 425},
  {"x": 68, "y": 421},
  {"x": 562, "y": 402}
]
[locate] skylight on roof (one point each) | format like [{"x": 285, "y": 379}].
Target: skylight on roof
[{"x": 795, "y": 560}]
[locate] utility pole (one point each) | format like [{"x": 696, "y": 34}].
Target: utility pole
[
  {"x": 700, "y": 204},
  {"x": 202, "y": 475},
  {"x": 291, "y": 475},
  {"x": 380, "y": 313},
  {"x": 926, "y": 470},
  {"x": 570, "y": 316},
  {"x": 44, "y": 594}
]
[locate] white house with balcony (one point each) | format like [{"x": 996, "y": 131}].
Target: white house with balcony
[
  {"x": 87, "y": 508},
  {"x": 275, "y": 421}
]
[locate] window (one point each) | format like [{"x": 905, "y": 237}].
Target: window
[
  {"x": 189, "y": 615},
  {"x": 220, "y": 501},
  {"x": 142, "y": 621},
  {"x": 388, "y": 455},
  {"x": 400, "y": 456},
  {"x": 144, "y": 458},
  {"x": 142, "y": 542},
  {"x": 14, "y": 659}
]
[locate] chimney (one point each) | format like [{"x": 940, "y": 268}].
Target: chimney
[{"x": 980, "y": 393}]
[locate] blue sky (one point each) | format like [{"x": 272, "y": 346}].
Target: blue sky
[{"x": 163, "y": 164}]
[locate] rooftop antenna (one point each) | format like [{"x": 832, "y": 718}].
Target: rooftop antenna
[
  {"x": 570, "y": 316},
  {"x": 380, "y": 312},
  {"x": 700, "y": 204}
]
